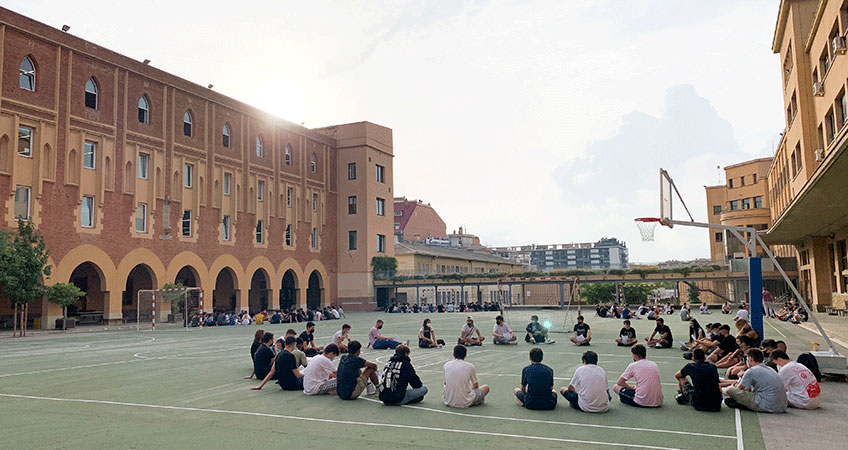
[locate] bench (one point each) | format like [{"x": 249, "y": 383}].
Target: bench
[{"x": 91, "y": 317}]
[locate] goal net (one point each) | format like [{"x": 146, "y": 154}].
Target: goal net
[
  {"x": 557, "y": 319},
  {"x": 177, "y": 307}
]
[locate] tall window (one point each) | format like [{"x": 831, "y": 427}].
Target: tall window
[
  {"x": 734, "y": 205},
  {"x": 288, "y": 235},
  {"x": 289, "y": 194},
  {"x": 351, "y": 171},
  {"x": 188, "y": 175},
  {"x": 716, "y": 210},
  {"x": 351, "y": 240},
  {"x": 22, "y": 208},
  {"x": 288, "y": 155},
  {"x": 313, "y": 163},
  {"x": 225, "y": 228},
  {"x": 746, "y": 203},
  {"x": 259, "y": 232},
  {"x": 381, "y": 174},
  {"x": 225, "y": 136},
  {"x": 91, "y": 94},
  {"x": 259, "y": 150},
  {"x": 351, "y": 204},
  {"x": 758, "y": 201},
  {"x": 143, "y": 110},
  {"x": 381, "y": 243},
  {"x": 730, "y": 183},
  {"x": 25, "y": 141},
  {"x": 143, "y": 159},
  {"x": 186, "y": 225},
  {"x": 27, "y": 74},
  {"x": 719, "y": 237},
  {"x": 314, "y": 240},
  {"x": 187, "y": 121},
  {"x": 314, "y": 202},
  {"x": 141, "y": 218},
  {"x": 228, "y": 180},
  {"x": 260, "y": 190},
  {"x": 87, "y": 211},
  {"x": 89, "y": 154},
  {"x": 381, "y": 207}
]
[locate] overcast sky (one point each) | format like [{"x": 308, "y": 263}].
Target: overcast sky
[{"x": 525, "y": 121}]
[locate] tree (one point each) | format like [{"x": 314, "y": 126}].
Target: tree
[
  {"x": 174, "y": 293},
  {"x": 383, "y": 266},
  {"x": 63, "y": 294},
  {"x": 637, "y": 293},
  {"x": 23, "y": 267},
  {"x": 598, "y": 293},
  {"x": 694, "y": 294}
]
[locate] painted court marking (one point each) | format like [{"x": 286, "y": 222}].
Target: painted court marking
[
  {"x": 345, "y": 422},
  {"x": 554, "y": 422},
  {"x": 739, "y": 444}
]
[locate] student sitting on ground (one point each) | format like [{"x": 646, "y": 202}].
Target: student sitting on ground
[
  {"x": 427, "y": 336},
  {"x": 627, "y": 335},
  {"x": 742, "y": 314},
  {"x": 648, "y": 392},
  {"x": 320, "y": 376},
  {"x": 737, "y": 362},
  {"x": 537, "y": 382},
  {"x": 588, "y": 390},
  {"x": 461, "y": 387},
  {"x": 802, "y": 389},
  {"x": 467, "y": 334},
  {"x": 663, "y": 335},
  {"x": 703, "y": 393},
  {"x": 725, "y": 308},
  {"x": 684, "y": 314},
  {"x": 705, "y": 309},
  {"x": 285, "y": 369},
  {"x": 725, "y": 345},
  {"x": 696, "y": 333},
  {"x": 355, "y": 374},
  {"x": 257, "y": 342},
  {"x": 759, "y": 390},
  {"x": 340, "y": 336},
  {"x": 536, "y": 332},
  {"x": 744, "y": 329},
  {"x": 582, "y": 333},
  {"x": 398, "y": 374},
  {"x": 308, "y": 337},
  {"x": 379, "y": 342},
  {"x": 264, "y": 357},
  {"x": 503, "y": 333}
]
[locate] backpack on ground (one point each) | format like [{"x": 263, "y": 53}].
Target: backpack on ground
[{"x": 809, "y": 361}]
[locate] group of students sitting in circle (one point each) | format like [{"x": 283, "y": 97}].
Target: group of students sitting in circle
[
  {"x": 450, "y": 307},
  {"x": 331, "y": 312}
]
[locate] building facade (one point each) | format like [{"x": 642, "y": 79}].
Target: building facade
[
  {"x": 607, "y": 253},
  {"x": 807, "y": 179},
  {"x": 136, "y": 178},
  {"x": 416, "y": 221}
]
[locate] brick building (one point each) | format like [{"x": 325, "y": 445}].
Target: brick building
[
  {"x": 136, "y": 178},
  {"x": 416, "y": 221}
]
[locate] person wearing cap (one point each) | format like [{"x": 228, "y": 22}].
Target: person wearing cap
[
  {"x": 467, "y": 334},
  {"x": 536, "y": 333}
]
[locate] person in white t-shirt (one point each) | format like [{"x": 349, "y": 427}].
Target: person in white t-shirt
[
  {"x": 802, "y": 388},
  {"x": 589, "y": 389},
  {"x": 468, "y": 332},
  {"x": 461, "y": 387},
  {"x": 742, "y": 313},
  {"x": 340, "y": 337},
  {"x": 502, "y": 333},
  {"x": 319, "y": 377}
]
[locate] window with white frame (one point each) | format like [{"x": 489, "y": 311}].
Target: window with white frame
[
  {"x": 87, "y": 211},
  {"x": 187, "y": 124},
  {"x": 143, "y": 110},
  {"x": 89, "y": 155},
  {"x": 381, "y": 174},
  {"x": 260, "y": 232},
  {"x": 91, "y": 94},
  {"x": 381, "y": 207},
  {"x": 143, "y": 159},
  {"x": 259, "y": 150},
  {"x": 313, "y": 163},
  {"x": 186, "y": 224},
  {"x": 288, "y": 155},
  {"x": 289, "y": 195},
  {"x": 188, "y": 175},
  {"x": 27, "y": 78},
  {"x": 25, "y": 141},
  {"x": 22, "y": 202},
  {"x": 225, "y": 228},
  {"x": 228, "y": 181},
  {"x": 351, "y": 171},
  {"x": 141, "y": 218},
  {"x": 381, "y": 243},
  {"x": 260, "y": 190},
  {"x": 351, "y": 204},
  {"x": 225, "y": 136},
  {"x": 288, "y": 235}
]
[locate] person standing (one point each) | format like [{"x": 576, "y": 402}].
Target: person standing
[
  {"x": 355, "y": 374},
  {"x": 589, "y": 389},
  {"x": 461, "y": 389},
  {"x": 398, "y": 374},
  {"x": 703, "y": 393},
  {"x": 379, "y": 342},
  {"x": 759, "y": 390},
  {"x": 768, "y": 303},
  {"x": 648, "y": 391},
  {"x": 537, "y": 382},
  {"x": 802, "y": 388},
  {"x": 502, "y": 333}
]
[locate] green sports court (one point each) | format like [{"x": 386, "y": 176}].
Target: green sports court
[{"x": 173, "y": 388}]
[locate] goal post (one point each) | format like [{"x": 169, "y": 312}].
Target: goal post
[{"x": 161, "y": 306}]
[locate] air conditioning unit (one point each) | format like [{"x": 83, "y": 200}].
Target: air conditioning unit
[
  {"x": 818, "y": 89},
  {"x": 839, "y": 45},
  {"x": 819, "y": 155}
]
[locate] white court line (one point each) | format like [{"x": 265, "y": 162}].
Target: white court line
[
  {"x": 739, "y": 444},
  {"x": 554, "y": 422},
  {"x": 343, "y": 422}
]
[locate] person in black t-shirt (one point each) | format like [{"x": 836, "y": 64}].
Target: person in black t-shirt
[
  {"x": 257, "y": 342},
  {"x": 285, "y": 369},
  {"x": 309, "y": 340},
  {"x": 627, "y": 335},
  {"x": 703, "y": 393},
  {"x": 663, "y": 335},
  {"x": 725, "y": 345},
  {"x": 264, "y": 357},
  {"x": 537, "y": 381},
  {"x": 355, "y": 374},
  {"x": 582, "y": 333}
]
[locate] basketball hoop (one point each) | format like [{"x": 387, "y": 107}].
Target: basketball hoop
[{"x": 646, "y": 226}]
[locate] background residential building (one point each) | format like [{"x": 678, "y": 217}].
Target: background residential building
[
  {"x": 416, "y": 221},
  {"x": 606, "y": 253}
]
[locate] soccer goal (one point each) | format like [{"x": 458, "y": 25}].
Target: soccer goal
[
  {"x": 556, "y": 318},
  {"x": 172, "y": 306}
]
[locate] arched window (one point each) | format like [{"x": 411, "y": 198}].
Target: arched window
[
  {"x": 91, "y": 94},
  {"x": 259, "y": 151},
  {"x": 143, "y": 110},
  {"x": 288, "y": 155},
  {"x": 187, "y": 123},
  {"x": 27, "y": 74},
  {"x": 226, "y": 136},
  {"x": 313, "y": 163}
]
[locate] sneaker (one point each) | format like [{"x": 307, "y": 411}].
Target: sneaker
[
  {"x": 688, "y": 356},
  {"x": 732, "y": 403},
  {"x": 552, "y": 341},
  {"x": 532, "y": 341},
  {"x": 370, "y": 389},
  {"x": 406, "y": 342},
  {"x": 658, "y": 346},
  {"x": 681, "y": 399},
  {"x": 513, "y": 342}
]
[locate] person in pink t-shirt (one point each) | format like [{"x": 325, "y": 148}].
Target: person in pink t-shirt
[{"x": 648, "y": 392}]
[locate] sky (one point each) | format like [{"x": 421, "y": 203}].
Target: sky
[{"x": 523, "y": 121}]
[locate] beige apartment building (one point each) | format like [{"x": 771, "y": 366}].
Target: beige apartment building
[{"x": 808, "y": 178}]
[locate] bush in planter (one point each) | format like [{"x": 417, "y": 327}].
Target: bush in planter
[{"x": 64, "y": 294}]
